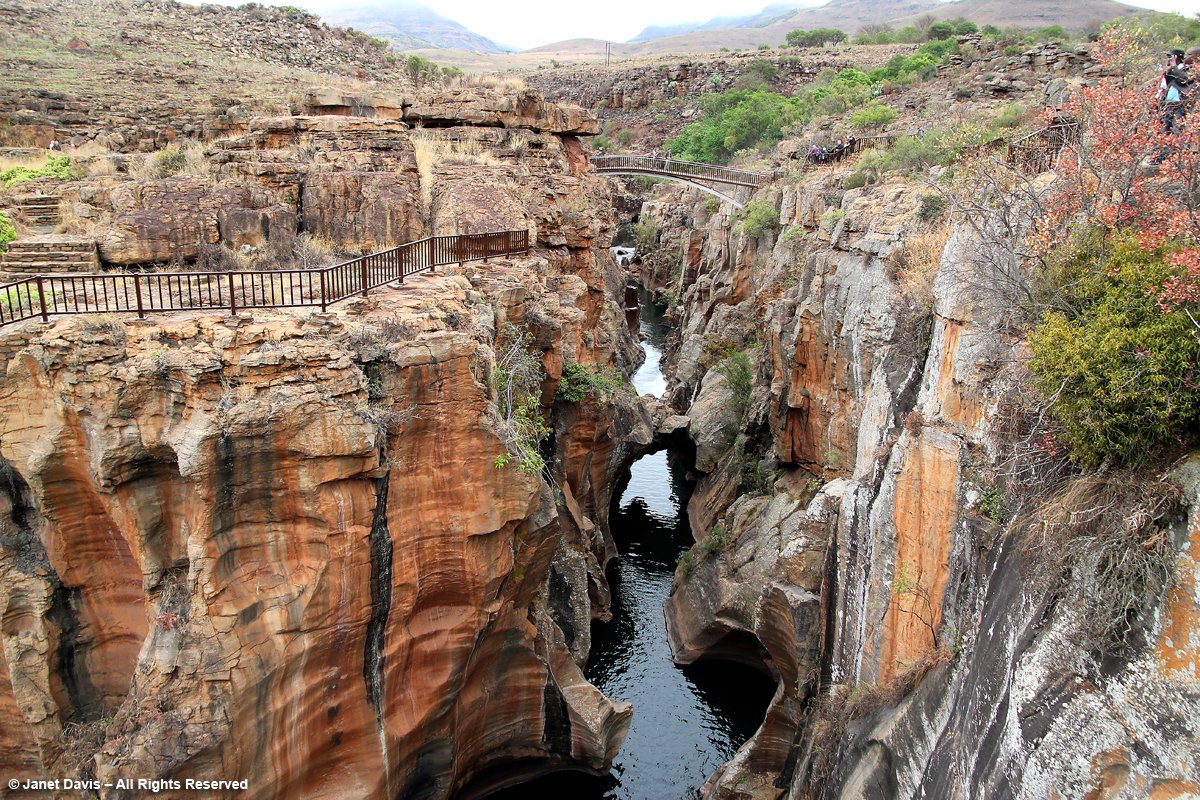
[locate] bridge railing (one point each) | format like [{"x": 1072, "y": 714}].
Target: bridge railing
[
  {"x": 684, "y": 169},
  {"x": 42, "y": 296}
]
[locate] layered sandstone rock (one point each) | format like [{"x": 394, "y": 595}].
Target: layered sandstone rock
[
  {"x": 238, "y": 545},
  {"x": 870, "y": 553},
  {"x": 524, "y": 109}
]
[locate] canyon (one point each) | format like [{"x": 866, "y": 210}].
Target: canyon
[{"x": 301, "y": 548}]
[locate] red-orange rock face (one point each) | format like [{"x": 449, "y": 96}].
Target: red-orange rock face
[{"x": 279, "y": 551}]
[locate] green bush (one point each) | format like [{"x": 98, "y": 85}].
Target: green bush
[
  {"x": 759, "y": 74},
  {"x": 1121, "y": 371},
  {"x": 55, "y": 167},
  {"x": 815, "y": 37},
  {"x": 168, "y": 162},
  {"x": 932, "y": 207},
  {"x": 873, "y": 115},
  {"x": 758, "y": 216},
  {"x": 718, "y": 541},
  {"x": 645, "y": 236},
  {"x": 939, "y": 31},
  {"x": 7, "y": 232},
  {"x": 737, "y": 368},
  {"x": 579, "y": 381},
  {"x": 736, "y": 120},
  {"x": 855, "y": 180}
]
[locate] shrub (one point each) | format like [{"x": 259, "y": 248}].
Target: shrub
[
  {"x": 1101, "y": 543},
  {"x": 516, "y": 379},
  {"x": 645, "y": 236},
  {"x": 1120, "y": 372},
  {"x": 739, "y": 372},
  {"x": 736, "y": 120},
  {"x": 873, "y": 115},
  {"x": 939, "y": 30},
  {"x": 55, "y": 167},
  {"x": 579, "y": 381},
  {"x": 758, "y": 216},
  {"x": 168, "y": 162},
  {"x": 932, "y": 206},
  {"x": 7, "y": 232},
  {"x": 855, "y": 180},
  {"x": 718, "y": 541},
  {"x": 760, "y": 74}
]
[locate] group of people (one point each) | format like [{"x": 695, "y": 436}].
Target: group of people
[
  {"x": 821, "y": 154},
  {"x": 1177, "y": 92}
]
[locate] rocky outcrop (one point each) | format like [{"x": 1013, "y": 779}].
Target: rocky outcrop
[
  {"x": 525, "y": 109},
  {"x": 283, "y": 547},
  {"x": 843, "y": 538},
  {"x": 232, "y": 545}
]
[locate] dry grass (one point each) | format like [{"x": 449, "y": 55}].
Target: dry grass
[
  {"x": 70, "y": 222},
  {"x": 914, "y": 265},
  {"x": 433, "y": 148},
  {"x": 102, "y": 167},
  {"x": 833, "y": 712},
  {"x": 501, "y": 83},
  {"x": 1102, "y": 541},
  {"x": 32, "y": 162},
  {"x": 183, "y": 159}
]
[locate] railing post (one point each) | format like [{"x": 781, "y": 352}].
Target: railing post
[
  {"x": 232, "y": 298},
  {"x": 137, "y": 290},
  {"x": 324, "y": 304},
  {"x": 42, "y": 299},
  {"x": 364, "y": 277}
]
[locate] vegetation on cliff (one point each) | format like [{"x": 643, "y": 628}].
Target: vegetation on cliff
[{"x": 1116, "y": 351}]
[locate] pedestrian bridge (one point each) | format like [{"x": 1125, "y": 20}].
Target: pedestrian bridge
[{"x": 718, "y": 181}]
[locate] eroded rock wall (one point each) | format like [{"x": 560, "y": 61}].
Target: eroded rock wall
[
  {"x": 843, "y": 537},
  {"x": 282, "y": 548}
]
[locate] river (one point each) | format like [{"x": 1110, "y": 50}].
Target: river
[{"x": 686, "y": 721}]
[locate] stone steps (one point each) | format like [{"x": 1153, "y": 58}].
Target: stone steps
[
  {"x": 51, "y": 253},
  {"x": 39, "y": 209}
]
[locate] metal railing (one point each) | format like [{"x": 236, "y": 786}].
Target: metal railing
[
  {"x": 1038, "y": 152},
  {"x": 673, "y": 168},
  {"x": 42, "y": 296}
]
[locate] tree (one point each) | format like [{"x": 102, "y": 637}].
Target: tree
[
  {"x": 939, "y": 30},
  {"x": 816, "y": 37}
]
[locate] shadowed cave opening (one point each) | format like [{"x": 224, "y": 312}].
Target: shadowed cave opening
[{"x": 686, "y": 721}]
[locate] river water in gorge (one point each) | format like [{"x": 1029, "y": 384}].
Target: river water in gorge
[{"x": 686, "y": 721}]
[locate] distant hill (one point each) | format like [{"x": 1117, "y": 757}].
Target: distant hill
[
  {"x": 771, "y": 13},
  {"x": 1071, "y": 14},
  {"x": 410, "y": 25},
  {"x": 851, "y": 15}
]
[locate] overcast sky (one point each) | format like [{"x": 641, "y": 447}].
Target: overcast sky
[{"x": 529, "y": 23}]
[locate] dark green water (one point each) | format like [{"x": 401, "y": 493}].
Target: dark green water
[{"x": 686, "y": 721}]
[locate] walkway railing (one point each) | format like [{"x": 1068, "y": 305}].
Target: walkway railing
[
  {"x": 41, "y": 296},
  {"x": 1038, "y": 152},
  {"x": 673, "y": 168}
]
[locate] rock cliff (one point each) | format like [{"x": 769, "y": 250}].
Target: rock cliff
[
  {"x": 283, "y": 547},
  {"x": 854, "y": 537}
]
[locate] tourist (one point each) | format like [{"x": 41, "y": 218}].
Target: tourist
[{"x": 1172, "y": 85}]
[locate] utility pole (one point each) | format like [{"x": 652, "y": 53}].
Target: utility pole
[{"x": 607, "y": 53}]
